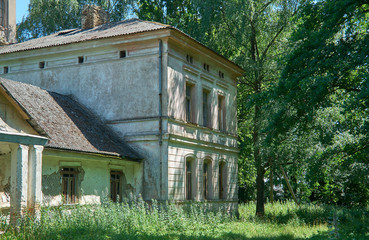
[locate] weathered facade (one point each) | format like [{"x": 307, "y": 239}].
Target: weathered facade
[{"x": 170, "y": 98}]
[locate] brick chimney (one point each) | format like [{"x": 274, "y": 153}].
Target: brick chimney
[
  {"x": 93, "y": 16},
  {"x": 7, "y": 22}
]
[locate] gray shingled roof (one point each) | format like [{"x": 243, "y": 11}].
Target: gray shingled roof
[
  {"x": 66, "y": 123},
  {"x": 107, "y": 30}
]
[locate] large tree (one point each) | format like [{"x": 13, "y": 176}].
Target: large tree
[{"x": 328, "y": 69}]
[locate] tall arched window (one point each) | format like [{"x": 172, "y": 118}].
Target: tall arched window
[
  {"x": 222, "y": 180},
  {"x": 189, "y": 174},
  {"x": 207, "y": 179}
]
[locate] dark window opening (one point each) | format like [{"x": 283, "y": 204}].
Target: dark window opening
[
  {"x": 188, "y": 180},
  {"x": 122, "y": 54},
  {"x": 69, "y": 183},
  {"x": 81, "y": 59},
  {"x": 221, "y": 181},
  {"x": 6, "y": 69},
  {"x": 115, "y": 186},
  {"x": 205, "y": 108},
  {"x": 41, "y": 65},
  {"x": 189, "y": 59},
  {"x": 206, "y": 67},
  {"x": 221, "y": 113},
  {"x": 205, "y": 180},
  {"x": 188, "y": 103},
  {"x": 221, "y": 74}
]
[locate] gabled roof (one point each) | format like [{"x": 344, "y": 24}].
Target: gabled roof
[
  {"x": 107, "y": 30},
  {"x": 66, "y": 123}
]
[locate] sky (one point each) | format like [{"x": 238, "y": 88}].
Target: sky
[{"x": 22, "y": 9}]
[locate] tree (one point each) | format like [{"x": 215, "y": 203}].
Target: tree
[
  {"x": 47, "y": 17},
  {"x": 253, "y": 34},
  {"x": 328, "y": 69}
]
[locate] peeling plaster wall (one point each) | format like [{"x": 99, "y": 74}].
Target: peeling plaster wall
[
  {"x": 5, "y": 164},
  {"x": 113, "y": 88},
  {"x": 93, "y": 180}
]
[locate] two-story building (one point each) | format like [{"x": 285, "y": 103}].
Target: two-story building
[{"x": 169, "y": 99}]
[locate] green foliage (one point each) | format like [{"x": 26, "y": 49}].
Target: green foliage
[
  {"x": 323, "y": 89},
  {"x": 155, "y": 221},
  {"x": 49, "y": 16}
]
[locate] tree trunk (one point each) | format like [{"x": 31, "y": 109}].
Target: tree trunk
[
  {"x": 260, "y": 193},
  {"x": 271, "y": 181}
]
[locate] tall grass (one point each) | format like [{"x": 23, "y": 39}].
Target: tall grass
[{"x": 140, "y": 220}]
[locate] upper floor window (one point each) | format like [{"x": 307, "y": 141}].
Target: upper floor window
[
  {"x": 221, "y": 74},
  {"x": 6, "y": 70},
  {"x": 189, "y": 103},
  {"x": 205, "y": 108},
  {"x": 221, "y": 113},
  {"x": 206, "y": 67},
  {"x": 69, "y": 184},
  {"x": 189, "y": 59}
]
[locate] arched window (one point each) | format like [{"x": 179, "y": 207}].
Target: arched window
[
  {"x": 207, "y": 179},
  {"x": 222, "y": 180},
  {"x": 189, "y": 175}
]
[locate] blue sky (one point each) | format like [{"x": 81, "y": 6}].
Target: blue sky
[{"x": 22, "y": 9}]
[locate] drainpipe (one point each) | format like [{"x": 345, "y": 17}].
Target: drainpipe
[{"x": 160, "y": 115}]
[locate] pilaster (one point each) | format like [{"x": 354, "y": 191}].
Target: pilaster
[{"x": 34, "y": 178}]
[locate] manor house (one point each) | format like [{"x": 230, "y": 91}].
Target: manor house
[{"x": 115, "y": 111}]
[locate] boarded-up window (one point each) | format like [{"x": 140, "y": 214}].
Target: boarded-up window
[
  {"x": 69, "y": 184},
  {"x": 115, "y": 186}
]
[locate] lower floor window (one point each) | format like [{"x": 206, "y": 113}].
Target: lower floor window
[
  {"x": 115, "y": 186},
  {"x": 69, "y": 183}
]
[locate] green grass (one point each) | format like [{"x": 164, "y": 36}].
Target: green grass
[{"x": 138, "y": 221}]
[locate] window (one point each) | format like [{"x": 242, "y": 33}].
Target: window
[
  {"x": 206, "y": 67},
  {"x": 205, "y": 180},
  {"x": 221, "y": 178},
  {"x": 69, "y": 184},
  {"x": 189, "y": 110},
  {"x": 188, "y": 180},
  {"x": 221, "y": 114},
  {"x": 115, "y": 186},
  {"x": 41, "y": 65},
  {"x": 6, "y": 70},
  {"x": 81, "y": 59},
  {"x": 221, "y": 74},
  {"x": 189, "y": 59},
  {"x": 205, "y": 109},
  {"x": 122, "y": 54}
]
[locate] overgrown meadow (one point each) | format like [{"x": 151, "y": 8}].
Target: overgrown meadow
[{"x": 141, "y": 221}]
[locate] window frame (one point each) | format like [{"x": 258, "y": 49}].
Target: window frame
[
  {"x": 222, "y": 180},
  {"x": 206, "y": 108},
  {"x": 69, "y": 184},
  {"x": 189, "y": 176},
  {"x": 190, "y": 103},
  {"x": 117, "y": 185},
  {"x": 221, "y": 113}
]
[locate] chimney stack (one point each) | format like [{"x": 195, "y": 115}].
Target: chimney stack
[
  {"x": 93, "y": 16},
  {"x": 7, "y": 22}
]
